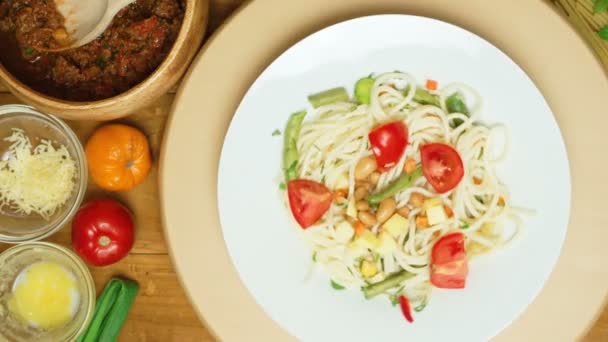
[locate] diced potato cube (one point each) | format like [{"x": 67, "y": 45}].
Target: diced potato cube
[
  {"x": 396, "y": 225},
  {"x": 355, "y": 250},
  {"x": 432, "y": 202},
  {"x": 341, "y": 181},
  {"x": 387, "y": 244},
  {"x": 368, "y": 240},
  {"x": 368, "y": 269},
  {"x": 436, "y": 215},
  {"x": 344, "y": 231}
]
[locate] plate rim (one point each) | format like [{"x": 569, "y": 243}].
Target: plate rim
[{"x": 245, "y": 13}]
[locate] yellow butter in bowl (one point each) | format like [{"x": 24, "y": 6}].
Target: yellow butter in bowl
[{"x": 45, "y": 295}]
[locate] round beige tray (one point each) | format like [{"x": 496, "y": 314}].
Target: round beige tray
[{"x": 536, "y": 37}]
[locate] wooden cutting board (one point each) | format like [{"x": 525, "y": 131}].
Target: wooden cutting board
[{"x": 162, "y": 311}]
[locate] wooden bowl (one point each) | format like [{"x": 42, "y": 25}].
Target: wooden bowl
[{"x": 143, "y": 94}]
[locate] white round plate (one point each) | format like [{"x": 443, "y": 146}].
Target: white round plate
[{"x": 263, "y": 240}]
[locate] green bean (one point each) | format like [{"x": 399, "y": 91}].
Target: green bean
[
  {"x": 424, "y": 97},
  {"x": 328, "y": 97},
  {"x": 363, "y": 90},
  {"x": 290, "y": 147},
  {"x": 394, "y": 280},
  {"x": 403, "y": 182},
  {"x": 455, "y": 104}
]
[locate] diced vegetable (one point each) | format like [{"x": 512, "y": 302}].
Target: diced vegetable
[
  {"x": 368, "y": 240},
  {"x": 398, "y": 185},
  {"x": 422, "y": 222},
  {"x": 404, "y": 303},
  {"x": 388, "y": 142},
  {"x": 344, "y": 231},
  {"x": 359, "y": 228},
  {"x": 431, "y": 202},
  {"x": 396, "y": 225},
  {"x": 431, "y": 85},
  {"x": 387, "y": 244},
  {"x": 328, "y": 97},
  {"x": 368, "y": 268},
  {"x": 436, "y": 215},
  {"x": 455, "y": 104},
  {"x": 355, "y": 250},
  {"x": 424, "y": 97},
  {"x": 394, "y": 280},
  {"x": 341, "y": 181},
  {"x": 290, "y": 147},
  {"x": 363, "y": 89}
]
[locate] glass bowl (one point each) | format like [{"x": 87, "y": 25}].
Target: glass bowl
[
  {"x": 17, "y": 227},
  {"x": 16, "y": 259}
]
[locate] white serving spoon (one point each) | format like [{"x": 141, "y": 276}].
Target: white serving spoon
[{"x": 86, "y": 20}]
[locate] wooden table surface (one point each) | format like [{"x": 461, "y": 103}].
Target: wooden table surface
[{"x": 161, "y": 311}]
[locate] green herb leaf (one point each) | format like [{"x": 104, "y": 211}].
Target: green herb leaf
[
  {"x": 28, "y": 50},
  {"x": 314, "y": 257},
  {"x": 603, "y": 33},
  {"x": 600, "y": 6},
  {"x": 336, "y": 286},
  {"x": 464, "y": 225},
  {"x": 276, "y": 132},
  {"x": 282, "y": 186},
  {"x": 394, "y": 300}
]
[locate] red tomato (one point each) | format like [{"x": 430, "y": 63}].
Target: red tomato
[
  {"x": 308, "y": 201},
  {"x": 388, "y": 143},
  {"x": 102, "y": 232},
  {"x": 406, "y": 309},
  {"x": 449, "y": 266},
  {"x": 442, "y": 166}
]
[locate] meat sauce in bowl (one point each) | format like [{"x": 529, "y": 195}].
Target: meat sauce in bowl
[{"x": 135, "y": 44}]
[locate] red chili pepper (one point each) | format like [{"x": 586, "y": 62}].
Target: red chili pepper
[{"x": 406, "y": 309}]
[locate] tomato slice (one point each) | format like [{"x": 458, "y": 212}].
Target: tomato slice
[
  {"x": 449, "y": 266},
  {"x": 442, "y": 166},
  {"x": 388, "y": 142},
  {"x": 308, "y": 201},
  {"x": 406, "y": 309}
]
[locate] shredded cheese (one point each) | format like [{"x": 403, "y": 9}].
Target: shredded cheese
[{"x": 35, "y": 179}]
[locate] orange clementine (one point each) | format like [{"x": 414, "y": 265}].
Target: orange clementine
[{"x": 118, "y": 157}]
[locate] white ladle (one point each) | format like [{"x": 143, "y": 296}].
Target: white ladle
[{"x": 85, "y": 20}]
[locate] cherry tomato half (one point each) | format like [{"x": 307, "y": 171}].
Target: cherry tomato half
[
  {"x": 388, "y": 142},
  {"x": 102, "y": 232},
  {"x": 449, "y": 267},
  {"x": 442, "y": 166},
  {"x": 308, "y": 201}
]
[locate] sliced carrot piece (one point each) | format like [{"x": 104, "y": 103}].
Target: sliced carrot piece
[
  {"x": 501, "y": 201},
  {"x": 448, "y": 211},
  {"x": 476, "y": 180},
  {"x": 431, "y": 84},
  {"x": 359, "y": 228},
  {"x": 422, "y": 222},
  {"x": 340, "y": 194}
]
